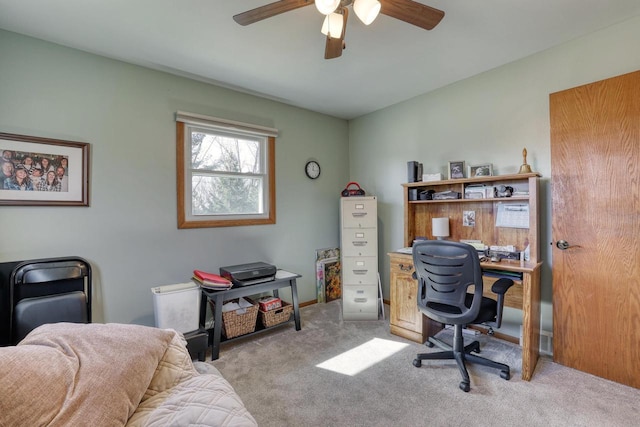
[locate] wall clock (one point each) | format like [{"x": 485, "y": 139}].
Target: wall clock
[{"x": 312, "y": 169}]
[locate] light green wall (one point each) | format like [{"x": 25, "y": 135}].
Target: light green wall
[
  {"x": 129, "y": 233},
  {"x": 488, "y": 118},
  {"x": 125, "y": 112}
]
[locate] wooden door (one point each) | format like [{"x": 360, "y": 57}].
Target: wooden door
[{"x": 595, "y": 184}]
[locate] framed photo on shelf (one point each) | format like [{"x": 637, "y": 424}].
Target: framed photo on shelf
[
  {"x": 43, "y": 172},
  {"x": 480, "y": 170},
  {"x": 456, "y": 170}
]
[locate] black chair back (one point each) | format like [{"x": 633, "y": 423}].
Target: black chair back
[
  {"x": 48, "y": 291},
  {"x": 445, "y": 271}
]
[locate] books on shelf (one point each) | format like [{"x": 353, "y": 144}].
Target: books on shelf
[{"x": 211, "y": 280}]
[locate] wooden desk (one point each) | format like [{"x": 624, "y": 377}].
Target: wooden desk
[
  {"x": 283, "y": 279},
  {"x": 407, "y": 321}
]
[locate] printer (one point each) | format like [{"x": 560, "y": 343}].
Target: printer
[{"x": 249, "y": 274}]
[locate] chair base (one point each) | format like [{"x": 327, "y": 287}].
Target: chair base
[{"x": 461, "y": 354}]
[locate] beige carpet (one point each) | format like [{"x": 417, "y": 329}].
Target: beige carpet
[{"x": 294, "y": 378}]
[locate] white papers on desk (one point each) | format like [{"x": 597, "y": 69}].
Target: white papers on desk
[{"x": 512, "y": 215}]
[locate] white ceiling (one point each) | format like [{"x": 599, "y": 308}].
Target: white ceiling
[{"x": 282, "y": 57}]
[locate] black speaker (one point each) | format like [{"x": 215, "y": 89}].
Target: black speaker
[{"x": 412, "y": 171}]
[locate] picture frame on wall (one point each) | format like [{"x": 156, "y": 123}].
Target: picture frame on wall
[
  {"x": 477, "y": 171},
  {"x": 456, "y": 169},
  {"x": 43, "y": 171}
]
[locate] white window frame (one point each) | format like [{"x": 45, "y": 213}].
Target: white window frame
[{"x": 185, "y": 124}]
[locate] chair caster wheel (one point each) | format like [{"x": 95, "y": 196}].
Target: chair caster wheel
[
  {"x": 506, "y": 375},
  {"x": 429, "y": 344},
  {"x": 465, "y": 387},
  {"x": 417, "y": 363}
]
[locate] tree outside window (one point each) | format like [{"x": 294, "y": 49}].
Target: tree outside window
[{"x": 227, "y": 178}]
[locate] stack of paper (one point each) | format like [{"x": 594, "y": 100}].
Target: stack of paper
[{"x": 211, "y": 280}]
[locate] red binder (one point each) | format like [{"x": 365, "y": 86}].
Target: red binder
[{"x": 210, "y": 277}]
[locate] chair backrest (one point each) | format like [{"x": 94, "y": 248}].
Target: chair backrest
[
  {"x": 445, "y": 271},
  {"x": 48, "y": 291}
]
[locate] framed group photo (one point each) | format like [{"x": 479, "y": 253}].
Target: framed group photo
[
  {"x": 43, "y": 172},
  {"x": 456, "y": 170},
  {"x": 481, "y": 170}
]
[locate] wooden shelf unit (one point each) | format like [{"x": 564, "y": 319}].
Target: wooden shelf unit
[{"x": 418, "y": 213}]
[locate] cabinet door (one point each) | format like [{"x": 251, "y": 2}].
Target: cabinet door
[{"x": 404, "y": 308}]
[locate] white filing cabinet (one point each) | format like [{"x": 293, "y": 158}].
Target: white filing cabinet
[{"x": 359, "y": 256}]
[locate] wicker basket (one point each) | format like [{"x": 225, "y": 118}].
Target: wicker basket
[
  {"x": 277, "y": 315},
  {"x": 234, "y": 324}
]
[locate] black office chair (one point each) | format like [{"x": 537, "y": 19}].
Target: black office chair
[
  {"x": 445, "y": 271},
  {"x": 48, "y": 291}
]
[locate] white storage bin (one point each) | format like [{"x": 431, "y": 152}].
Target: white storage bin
[{"x": 177, "y": 306}]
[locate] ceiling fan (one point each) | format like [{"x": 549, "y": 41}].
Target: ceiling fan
[{"x": 336, "y": 13}]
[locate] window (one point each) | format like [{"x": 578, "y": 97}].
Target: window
[{"x": 226, "y": 172}]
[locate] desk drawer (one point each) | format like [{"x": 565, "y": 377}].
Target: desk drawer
[
  {"x": 360, "y": 270},
  {"x": 401, "y": 263},
  {"x": 359, "y": 242}
]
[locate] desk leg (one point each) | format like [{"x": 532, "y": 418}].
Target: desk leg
[
  {"x": 530, "y": 323},
  {"x": 203, "y": 310},
  {"x": 203, "y": 321},
  {"x": 296, "y": 306},
  {"x": 217, "y": 327}
]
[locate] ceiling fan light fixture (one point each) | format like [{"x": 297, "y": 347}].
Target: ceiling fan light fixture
[
  {"x": 326, "y": 7},
  {"x": 332, "y": 25},
  {"x": 366, "y": 10}
]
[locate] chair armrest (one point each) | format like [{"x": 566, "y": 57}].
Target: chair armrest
[{"x": 500, "y": 287}]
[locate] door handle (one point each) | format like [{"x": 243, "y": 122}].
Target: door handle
[{"x": 563, "y": 245}]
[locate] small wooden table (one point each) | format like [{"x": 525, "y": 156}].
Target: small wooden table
[{"x": 283, "y": 279}]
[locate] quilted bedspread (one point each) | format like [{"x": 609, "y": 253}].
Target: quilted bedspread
[{"x": 111, "y": 375}]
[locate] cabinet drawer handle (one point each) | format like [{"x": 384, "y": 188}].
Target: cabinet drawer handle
[
  {"x": 360, "y": 243},
  {"x": 360, "y": 272},
  {"x": 360, "y": 300},
  {"x": 359, "y": 214},
  {"x": 406, "y": 267}
]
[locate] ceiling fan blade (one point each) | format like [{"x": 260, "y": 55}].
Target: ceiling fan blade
[
  {"x": 269, "y": 10},
  {"x": 412, "y": 12},
  {"x": 334, "y": 47}
]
